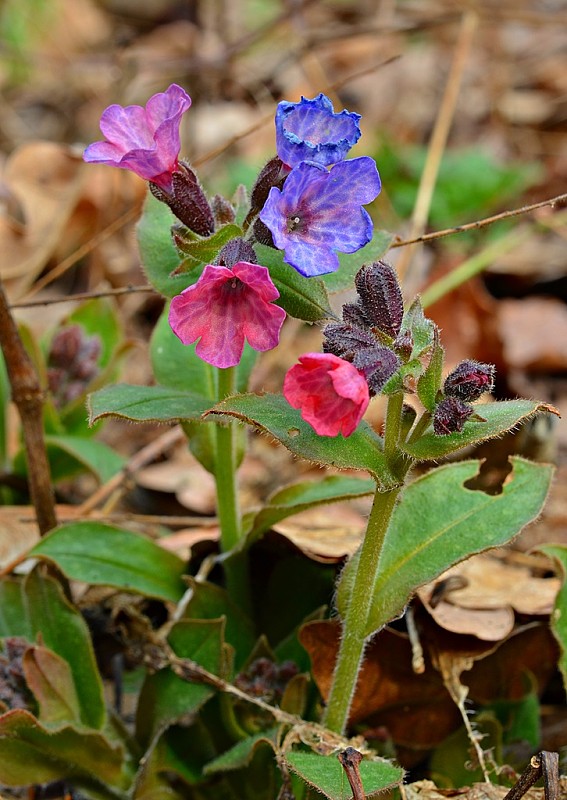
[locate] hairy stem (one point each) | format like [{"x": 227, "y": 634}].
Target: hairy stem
[{"x": 28, "y": 398}]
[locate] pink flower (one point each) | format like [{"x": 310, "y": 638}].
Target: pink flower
[
  {"x": 225, "y": 307},
  {"x": 143, "y": 140},
  {"x": 331, "y": 393}
]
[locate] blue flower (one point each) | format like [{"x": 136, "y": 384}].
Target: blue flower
[
  {"x": 319, "y": 211},
  {"x": 311, "y": 131}
]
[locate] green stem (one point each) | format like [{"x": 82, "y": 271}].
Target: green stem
[
  {"x": 225, "y": 468},
  {"x": 351, "y": 649},
  {"x": 393, "y": 424}
]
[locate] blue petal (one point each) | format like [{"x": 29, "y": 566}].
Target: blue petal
[{"x": 310, "y": 260}]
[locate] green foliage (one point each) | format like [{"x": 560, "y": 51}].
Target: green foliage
[
  {"x": 205, "y": 251},
  {"x": 559, "y": 615},
  {"x": 96, "y": 553},
  {"x": 439, "y": 522},
  {"x": 146, "y": 404},
  {"x": 350, "y": 263},
  {"x": 326, "y": 774}
]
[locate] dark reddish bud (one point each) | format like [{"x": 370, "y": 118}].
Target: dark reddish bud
[
  {"x": 65, "y": 346},
  {"x": 72, "y": 363},
  {"x": 404, "y": 344},
  {"x": 223, "y": 211},
  {"x": 264, "y": 678},
  {"x": 187, "y": 201},
  {"x": 345, "y": 340},
  {"x": 272, "y": 174},
  {"x": 469, "y": 380},
  {"x": 353, "y": 314},
  {"x": 377, "y": 364},
  {"x": 381, "y": 297},
  {"x": 450, "y": 416},
  {"x": 234, "y": 251},
  {"x": 262, "y": 234}
]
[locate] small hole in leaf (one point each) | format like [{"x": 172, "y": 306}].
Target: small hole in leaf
[
  {"x": 293, "y": 432},
  {"x": 490, "y": 477}
]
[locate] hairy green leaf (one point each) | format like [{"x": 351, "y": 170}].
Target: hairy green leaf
[
  {"x": 559, "y": 616},
  {"x": 326, "y": 774},
  {"x": 146, "y": 404}
]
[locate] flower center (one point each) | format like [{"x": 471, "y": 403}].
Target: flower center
[{"x": 295, "y": 224}]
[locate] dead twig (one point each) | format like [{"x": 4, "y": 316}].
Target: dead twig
[{"x": 543, "y": 765}]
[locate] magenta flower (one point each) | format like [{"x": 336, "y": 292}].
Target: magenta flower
[
  {"x": 319, "y": 212},
  {"x": 311, "y": 131},
  {"x": 143, "y": 140},
  {"x": 225, "y": 307},
  {"x": 331, "y": 393}
]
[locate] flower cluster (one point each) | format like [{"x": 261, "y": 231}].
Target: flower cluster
[{"x": 72, "y": 363}]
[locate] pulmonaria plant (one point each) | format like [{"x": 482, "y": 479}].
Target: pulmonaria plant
[{"x": 223, "y": 265}]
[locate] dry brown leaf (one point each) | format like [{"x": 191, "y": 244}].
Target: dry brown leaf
[
  {"x": 534, "y": 333},
  {"x": 490, "y": 625},
  {"x": 182, "y": 541},
  {"x": 19, "y": 532},
  {"x": 46, "y": 180},
  {"x": 325, "y": 534},
  {"x": 427, "y": 790}
]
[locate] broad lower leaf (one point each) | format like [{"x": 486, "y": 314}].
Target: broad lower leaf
[
  {"x": 50, "y": 679},
  {"x": 165, "y": 698},
  {"x": 69, "y": 454},
  {"x": 303, "y": 298},
  {"x": 272, "y": 414},
  {"x": 439, "y": 522},
  {"x": 36, "y": 607},
  {"x": 309, "y": 494},
  {"x": 30, "y": 753},
  {"x": 146, "y": 404},
  {"x": 93, "y": 552},
  {"x": 559, "y": 616},
  {"x": 350, "y": 263},
  {"x": 326, "y": 774},
  {"x": 499, "y": 418},
  {"x": 158, "y": 253}
]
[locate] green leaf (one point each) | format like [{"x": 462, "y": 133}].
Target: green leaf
[
  {"x": 50, "y": 679},
  {"x": 242, "y": 753},
  {"x": 301, "y": 496},
  {"x": 68, "y": 454},
  {"x": 429, "y": 383},
  {"x": 100, "y": 554},
  {"x": 211, "y": 602},
  {"x": 176, "y": 365},
  {"x": 559, "y": 616},
  {"x": 158, "y": 253},
  {"x": 326, "y": 774},
  {"x": 36, "y": 606},
  {"x": 350, "y": 263},
  {"x": 166, "y": 698},
  {"x": 272, "y": 414},
  {"x": 303, "y": 298},
  {"x": 500, "y": 417},
  {"x": 205, "y": 251},
  {"x": 421, "y": 328},
  {"x": 30, "y": 753},
  {"x": 146, "y": 404},
  {"x": 439, "y": 522}
]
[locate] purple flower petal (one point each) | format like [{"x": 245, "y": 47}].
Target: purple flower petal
[
  {"x": 143, "y": 140},
  {"x": 226, "y": 307},
  {"x": 319, "y": 212},
  {"x": 311, "y": 131}
]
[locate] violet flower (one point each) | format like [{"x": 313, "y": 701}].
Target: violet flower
[
  {"x": 144, "y": 140},
  {"x": 331, "y": 393},
  {"x": 318, "y": 212},
  {"x": 225, "y": 307},
  {"x": 311, "y": 131}
]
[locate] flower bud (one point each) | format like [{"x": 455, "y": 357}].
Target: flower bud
[
  {"x": 234, "y": 251},
  {"x": 187, "y": 201},
  {"x": 377, "y": 364},
  {"x": 345, "y": 340},
  {"x": 223, "y": 211},
  {"x": 381, "y": 297},
  {"x": 469, "y": 380},
  {"x": 450, "y": 416}
]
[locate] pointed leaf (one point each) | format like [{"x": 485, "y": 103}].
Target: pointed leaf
[
  {"x": 309, "y": 494},
  {"x": 439, "y": 522},
  {"x": 205, "y": 251},
  {"x": 500, "y": 417},
  {"x": 102, "y": 554},
  {"x": 350, "y": 263},
  {"x": 429, "y": 383},
  {"x": 326, "y": 774},
  {"x": 69, "y": 454},
  {"x": 30, "y": 753},
  {"x": 36, "y": 606},
  {"x": 146, "y": 404},
  {"x": 303, "y": 298},
  {"x": 165, "y": 698},
  {"x": 272, "y": 414},
  {"x": 242, "y": 753},
  {"x": 558, "y": 619},
  {"x": 50, "y": 679},
  {"x": 420, "y": 327}
]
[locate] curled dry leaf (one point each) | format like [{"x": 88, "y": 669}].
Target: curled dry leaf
[{"x": 325, "y": 534}]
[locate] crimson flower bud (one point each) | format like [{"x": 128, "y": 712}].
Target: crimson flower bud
[
  {"x": 381, "y": 297},
  {"x": 450, "y": 416},
  {"x": 469, "y": 380}
]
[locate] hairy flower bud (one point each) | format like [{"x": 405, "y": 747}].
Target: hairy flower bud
[
  {"x": 469, "y": 380},
  {"x": 187, "y": 200},
  {"x": 377, "y": 364},
  {"x": 450, "y": 416},
  {"x": 381, "y": 297},
  {"x": 223, "y": 211},
  {"x": 345, "y": 340},
  {"x": 72, "y": 362},
  {"x": 234, "y": 251}
]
